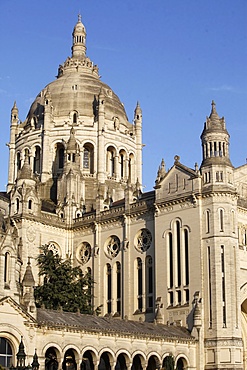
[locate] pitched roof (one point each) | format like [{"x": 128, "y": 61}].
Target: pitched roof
[{"x": 109, "y": 325}]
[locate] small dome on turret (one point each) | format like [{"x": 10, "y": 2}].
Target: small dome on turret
[
  {"x": 79, "y": 27},
  {"x": 215, "y": 140},
  {"x": 214, "y": 122}
]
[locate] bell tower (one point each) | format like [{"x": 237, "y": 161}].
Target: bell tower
[{"x": 222, "y": 328}]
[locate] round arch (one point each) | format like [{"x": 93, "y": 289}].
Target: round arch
[
  {"x": 139, "y": 361},
  {"x": 106, "y": 359},
  {"x": 89, "y": 358},
  {"x": 71, "y": 357},
  {"x": 181, "y": 362},
  {"x": 153, "y": 362}
]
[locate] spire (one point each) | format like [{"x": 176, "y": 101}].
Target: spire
[
  {"x": 72, "y": 144},
  {"x": 79, "y": 40},
  {"x": 35, "y": 363},
  {"x": 161, "y": 172},
  {"x": 159, "y": 316},
  {"x": 214, "y": 117},
  {"x": 26, "y": 172},
  {"x": 21, "y": 355},
  {"x": 138, "y": 113},
  {"x": 14, "y": 113},
  {"x": 28, "y": 279}
]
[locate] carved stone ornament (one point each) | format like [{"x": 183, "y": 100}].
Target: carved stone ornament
[
  {"x": 143, "y": 240},
  {"x": 31, "y": 233},
  {"x": 112, "y": 246},
  {"x": 84, "y": 253}
]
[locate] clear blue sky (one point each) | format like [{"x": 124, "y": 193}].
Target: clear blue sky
[{"x": 173, "y": 56}]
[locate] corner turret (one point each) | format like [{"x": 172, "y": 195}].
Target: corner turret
[
  {"x": 14, "y": 114},
  {"x": 139, "y": 145},
  {"x": 215, "y": 140},
  {"x": 216, "y": 167}
]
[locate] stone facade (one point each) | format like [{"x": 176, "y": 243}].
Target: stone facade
[{"x": 162, "y": 261}]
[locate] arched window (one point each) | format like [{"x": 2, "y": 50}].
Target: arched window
[
  {"x": 186, "y": 256},
  {"x": 178, "y": 274},
  {"x": 37, "y": 161},
  {"x": 221, "y": 220},
  {"x": 122, "y": 162},
  {"x": 131, "y": 167},
  {"x": 6, "y": 353},
  {"x": 60, "y": 157},
  {"x": 6, "y": 269},
  {"x": 170, "y": 252},
  {"x": 178, "y": 254},
  {"x": 88, "y": 158},
  {"x": 209, "y": 287},
  {"x": 121, "y": 165},
  {"x": 233, "y": 221},
  {"x": 18, "y": 161},
  {"x": 110, "y": 161},
  {"x": 149, "y": 282},
  {"x": 118, "y": 272},
  {"x": 74, "y": 118},
  {"x": 207, "y": 214},
  {"x": 30, "y": 204},
  {"x": 139, "y": 284},
  {"x": 109, "y": 287},
  {"x": 17, "y": 205}
]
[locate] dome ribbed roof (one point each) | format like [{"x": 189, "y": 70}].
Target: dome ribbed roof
[{"x": 77, "y": 87}]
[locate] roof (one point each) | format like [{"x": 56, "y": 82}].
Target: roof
[{"x": 109, "y": 325}]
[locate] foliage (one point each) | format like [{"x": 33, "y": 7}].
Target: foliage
[
  {"x": 64, "y": 287},
  {"x": 169, "y": 363}
]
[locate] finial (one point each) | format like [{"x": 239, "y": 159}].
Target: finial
[
  {"x": 213, "y": 106},
  {"x": 79, "y": 17}
]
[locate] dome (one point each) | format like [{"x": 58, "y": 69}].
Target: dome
[
  {"x": 77, "y": 87},
  {"x": 78, "y": 92},
  {"x": 77, "y": 136}
]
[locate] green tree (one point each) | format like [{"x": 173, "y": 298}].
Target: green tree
[
  {"x": 63, "y": 286},
  {"x": 169, "y": 363}
]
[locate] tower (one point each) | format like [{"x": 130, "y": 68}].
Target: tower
[{"x": 220, "y": 294}]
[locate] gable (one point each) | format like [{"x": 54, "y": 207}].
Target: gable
[
  {"x": 11, "y": 312},
  {"x": 179, "y": 181}
]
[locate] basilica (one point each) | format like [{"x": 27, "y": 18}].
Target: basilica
[{"x": 169, "y": 265}]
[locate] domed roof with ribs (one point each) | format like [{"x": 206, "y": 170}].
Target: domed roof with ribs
[{"x": 77, "y": 87}]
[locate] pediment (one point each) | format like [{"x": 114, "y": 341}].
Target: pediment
[
  {"x": 10, "y": 308},
  {"x": 179, "y": 180}
]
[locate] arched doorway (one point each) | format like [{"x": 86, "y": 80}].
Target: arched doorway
[
  {"x": 69, "y": 362},
  {"x": 87, "y": 361},
  {"x": 153, "y": 363},
  {"x": 137, "y": 364},
  {"x": 121, "y": 363},
  {"x": 51, "y": 362},
  {"x": 168, "y": 363},
  {"x": 181, "y": 364},
  {"x": 104, "y": 363}
]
